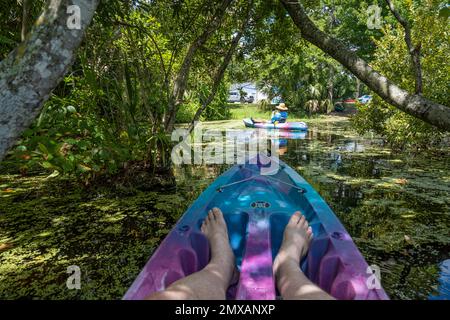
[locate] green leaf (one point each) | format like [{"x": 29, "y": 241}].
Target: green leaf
[
  {"x": 444, "y": 12},
  {"x": 43, "y": 148},
  {"x": 47, "y": 165},
  {"x": 83, "y": 167},
  {"x": 54, "y": 174},
  {"x": 71, "y": 109}
]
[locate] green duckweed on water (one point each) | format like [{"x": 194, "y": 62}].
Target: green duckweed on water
[
  {"x": 396, "y": 207},
  {"x": 47, "y": 226}
]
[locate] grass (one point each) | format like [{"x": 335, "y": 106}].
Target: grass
[{"x": 241, "y": 111}]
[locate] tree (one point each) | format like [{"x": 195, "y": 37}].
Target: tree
[
  {"x": 31, "y": 71},
  {"x": 413, "y": 104},
  {"x": 182, "y": 77},
  {"x": 219, "y": 74},
  {"x": 414, "y": 50},
  {"x": 392, "y": 58}
]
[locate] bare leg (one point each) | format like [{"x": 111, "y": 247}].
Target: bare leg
[
  {"x": 212, "y": 281},
  {"x": 291, "y": 281},
  {"x": 259, "y": 120}
]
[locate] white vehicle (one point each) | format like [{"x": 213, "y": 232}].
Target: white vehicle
[
  {"x": 365, "y": 99},
  {"x": 234, "y": 97}
]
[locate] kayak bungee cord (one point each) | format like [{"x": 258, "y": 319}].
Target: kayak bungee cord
[
  {"x": 277, "y": 180},
  {"x": 220, "y": 189}
]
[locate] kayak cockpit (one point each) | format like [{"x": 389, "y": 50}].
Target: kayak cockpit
[{"x": 257, "y": 208}]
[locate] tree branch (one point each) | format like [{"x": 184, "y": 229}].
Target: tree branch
[
  {"x": 414, "y": 51},
  {"x": 416, "y": 105},
  {"x": 182, "y": 76},
  {"x": 223, "y": 67}
]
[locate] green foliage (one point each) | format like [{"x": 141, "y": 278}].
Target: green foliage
[
  {"x": 241, "y": 111},
  {"x": 159, "y": 150},
  {"x": 392, "y": 59},
  {"x": 187, "y": 112},
  {"x": 65, "y": 141},
  {"x": 217, "y": 109},
  {"x": 108, "y": 235},
  {"x": 283, "y": 64},
  {"x": 110, "y": 108}
]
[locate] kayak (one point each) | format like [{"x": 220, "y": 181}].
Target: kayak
[
  {"x": 282, "y": 126},
  {"x": 273, "y": 134},
  {"x": 257, "y": 208}
]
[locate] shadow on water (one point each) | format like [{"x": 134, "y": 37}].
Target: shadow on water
[{"x": 395, "y": 206}]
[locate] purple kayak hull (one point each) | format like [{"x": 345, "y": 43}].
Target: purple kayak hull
[
  {"x": 257, "y": 208},
  {"x": 298, "y": 126}
]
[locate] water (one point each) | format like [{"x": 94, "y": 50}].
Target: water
[{"x": 395, "y": 205}]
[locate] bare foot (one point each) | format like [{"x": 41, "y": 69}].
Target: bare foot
[
  {"x": 296, "y": 239},
  {"x": 213, "y": 280},
  {"x": 215, "y": 229},
  {"x": 291, "y": 281}
]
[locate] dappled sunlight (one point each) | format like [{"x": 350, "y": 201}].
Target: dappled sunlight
[
  {"x": 395, "y": 207},
  {"x": 392, "y": 204},
  {"x": 109, "y": 238}
]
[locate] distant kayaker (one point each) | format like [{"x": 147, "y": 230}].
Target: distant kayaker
[
  {"x": 279, "y": 115},
  {"x": 212, "y": 282}
]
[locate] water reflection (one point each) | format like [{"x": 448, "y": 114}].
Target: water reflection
[
  {"x": 444, "y": 282},
  {"x": 282, "y": 138},
  {"x": 395, "y": 206}
]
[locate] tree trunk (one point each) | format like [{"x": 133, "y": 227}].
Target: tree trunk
[
  {"x": 25, "y": 18},
  {"x": 358, "y": 88},
  {"x": 31, "y": 71},
  {"x": 182, "y": 77},
  {"x": 416, "y": 105},
  {"x": 330, "y": 89},
  {"x": 217, "y": 79},
  {"x": 414, "y": 51}
]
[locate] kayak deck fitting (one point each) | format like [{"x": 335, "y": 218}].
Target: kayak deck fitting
[{"x": 257, "y": 208}]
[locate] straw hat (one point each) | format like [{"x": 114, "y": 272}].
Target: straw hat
[{"x": 282, "y": 107}]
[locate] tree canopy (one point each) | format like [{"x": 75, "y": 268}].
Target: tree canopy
[{"x": 145, "y": 65}]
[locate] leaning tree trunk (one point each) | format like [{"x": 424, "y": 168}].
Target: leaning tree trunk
[
  {"x": 414, "y": 104},
  {"x": 183, "y": 75},
  {"x": 31, "y": 71},
  {"x": 218, "y": 76},
  {"x": 26, "y": 10},
  {"x": 216, "y": 80}
]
